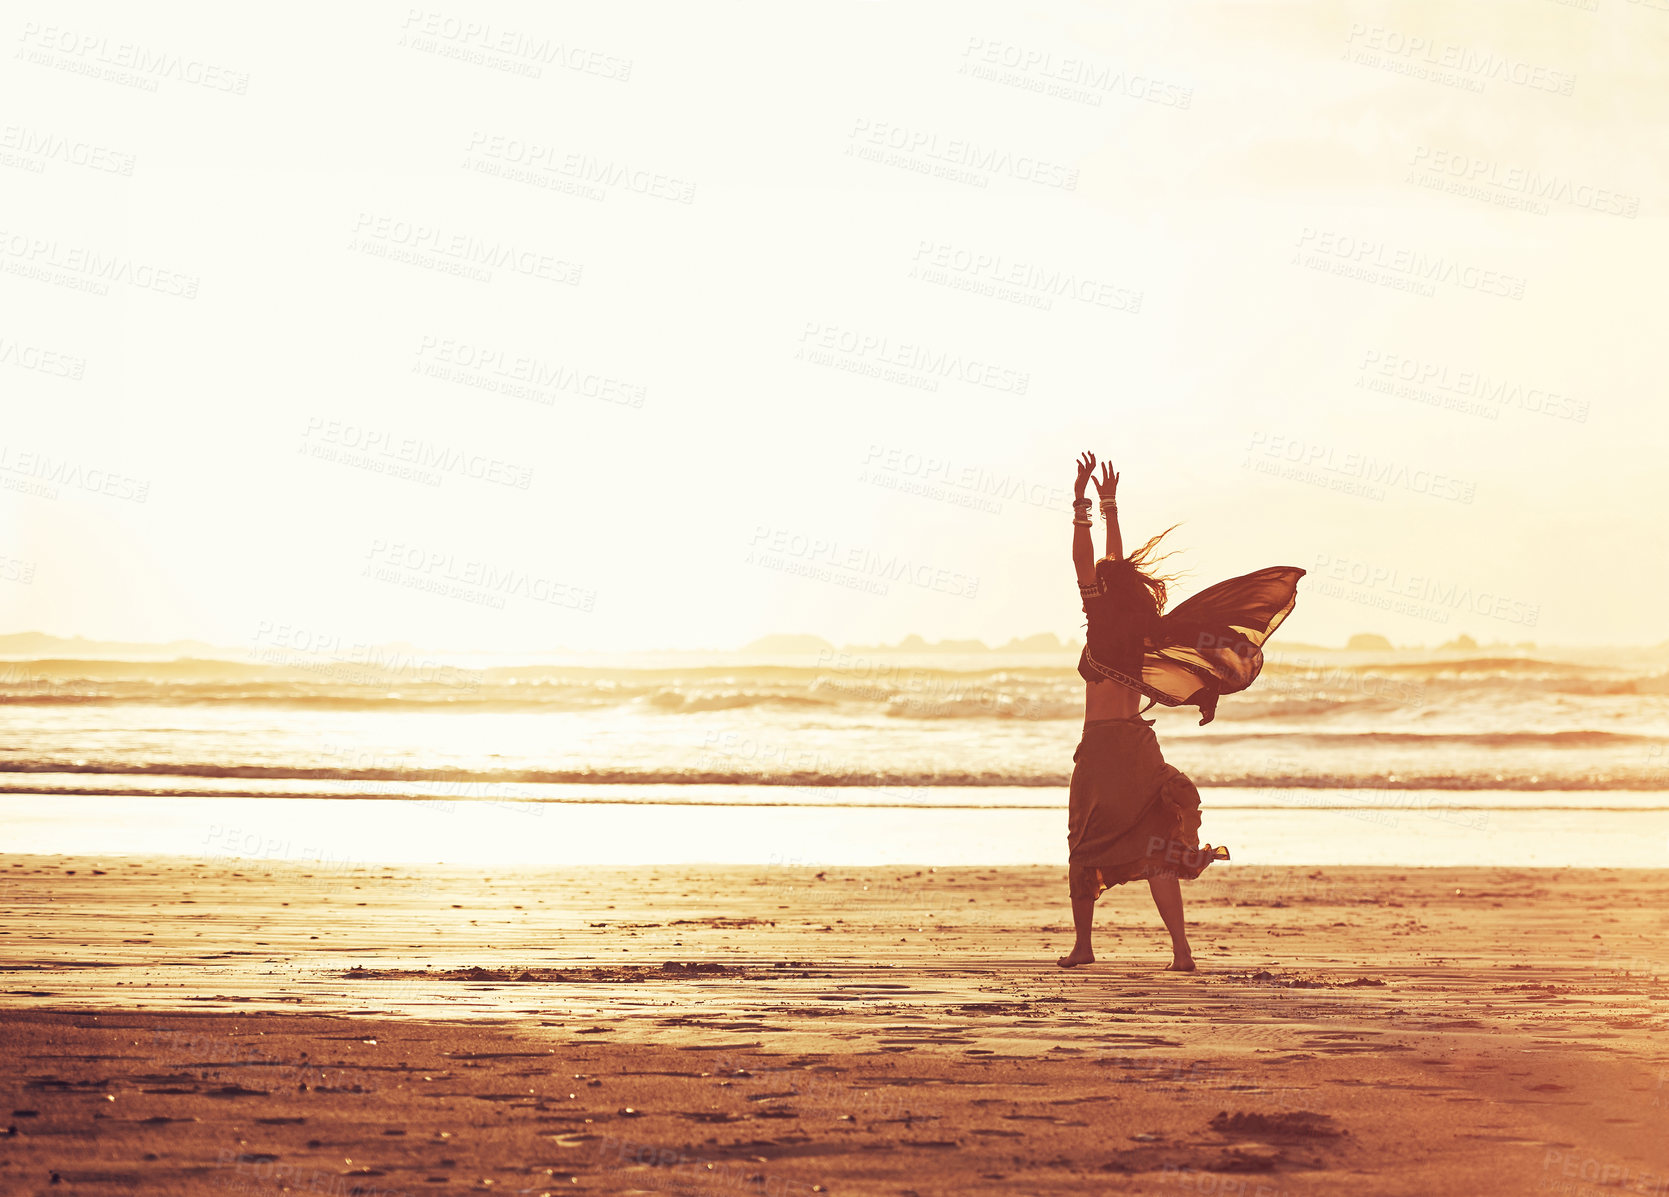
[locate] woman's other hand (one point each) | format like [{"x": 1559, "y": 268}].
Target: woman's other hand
[
  {"x": 1086, "y": 471},
  {"x": 1107, "y": 484}
]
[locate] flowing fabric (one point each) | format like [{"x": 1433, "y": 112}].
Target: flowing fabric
[
  {"x": 1130, "y": 814},
  {"x": 1211, "y": 644}
]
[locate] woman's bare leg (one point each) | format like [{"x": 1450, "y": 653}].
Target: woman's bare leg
[
  {"x": 1167, "y": 896},
  {"x": 1083, "y": 918}
]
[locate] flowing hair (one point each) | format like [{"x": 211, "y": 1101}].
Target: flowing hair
[{"x": 1134, "y": 585}]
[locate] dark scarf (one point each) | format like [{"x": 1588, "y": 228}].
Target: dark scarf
[{"x": 1210, "y": 645}]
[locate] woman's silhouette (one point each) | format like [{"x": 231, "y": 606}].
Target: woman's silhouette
[{"x": 1131, "y": 815}]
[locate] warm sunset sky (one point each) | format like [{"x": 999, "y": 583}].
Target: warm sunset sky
[{"x": 796, "y": 270}]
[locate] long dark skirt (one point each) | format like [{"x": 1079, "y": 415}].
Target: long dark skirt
[{"x": 1130, "y": 814}]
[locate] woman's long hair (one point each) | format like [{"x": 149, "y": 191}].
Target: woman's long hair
[{"x": 1134, "y": 585}]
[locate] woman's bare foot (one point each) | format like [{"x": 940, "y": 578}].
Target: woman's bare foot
[
  {"x": 1078, "y": 956},
  {"x": 1181, "y": 964}
]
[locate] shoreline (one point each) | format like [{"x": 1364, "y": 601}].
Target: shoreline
[{"x": 1333, "y": 829}]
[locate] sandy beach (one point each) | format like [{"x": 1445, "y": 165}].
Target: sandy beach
[
  {"x": 574, "y": 580},
  {"x": 183, "y": 1026}
]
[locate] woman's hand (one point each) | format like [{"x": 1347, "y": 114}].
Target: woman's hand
[
  {"x": 1086, "y": 471},
  {"x": 1107, "y": 484}
]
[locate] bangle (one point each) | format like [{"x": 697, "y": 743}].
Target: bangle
[
  {"x": 1084, "y": 523},
  {"x": 1080, "y": 501},
  {"x": 1109, "y": 504}
]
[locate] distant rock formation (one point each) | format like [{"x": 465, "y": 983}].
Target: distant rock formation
[
  {"x": 915, "y": 644},
  {"x": 1042, "y": 642},
  {"x": 1368, "y": 642},
  {"x": 39, "y": 644}
]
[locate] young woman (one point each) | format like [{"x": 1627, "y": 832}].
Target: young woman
[{"x": 1130, "y": 815}]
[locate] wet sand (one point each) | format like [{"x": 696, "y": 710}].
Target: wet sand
[{"x": 180, "y": 1026}]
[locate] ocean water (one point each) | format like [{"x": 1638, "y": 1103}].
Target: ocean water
[{"x": 1401, "y": 751}]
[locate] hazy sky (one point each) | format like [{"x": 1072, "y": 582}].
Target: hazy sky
[{"x": 514, "y": 326}]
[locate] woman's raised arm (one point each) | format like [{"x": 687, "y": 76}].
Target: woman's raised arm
[
  {"x": 1083, "y": 546},
  {"x": 1107, "y": 485}
]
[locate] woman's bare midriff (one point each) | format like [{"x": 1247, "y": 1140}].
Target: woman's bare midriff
[{"x": 1109, "y": 700}]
